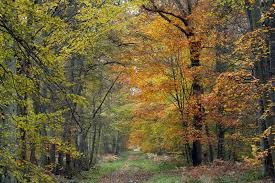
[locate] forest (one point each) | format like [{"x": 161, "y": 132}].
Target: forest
[{"x": 137, "y": 91}]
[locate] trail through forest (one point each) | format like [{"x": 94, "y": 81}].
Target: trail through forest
[
  {"x": 128, "y": 173},
  {"x": 137, "y": 167},
  {"x": 133, "y": 167},
  {"x": 189, "y": 83}
]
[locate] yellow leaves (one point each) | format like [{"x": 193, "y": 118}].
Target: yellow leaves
[
  {"x": 232, "y": 100},
  {"x": 152, "y": 136},
  {"x": 79, "y": 100},
  {"x": 64, "y": 147},
  {"x": 253, "y": 162},
  {"x": 251, "y": 42},
  {"x": 31, "y": 123},
  {"x": 252, "y": 2},
  {"x": 267, "y": 132},
  {"x": 16, "y": 169},
  {"x": 165, "y": 36}
]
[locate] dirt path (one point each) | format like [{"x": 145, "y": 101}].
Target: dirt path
[
  {"x": 127, "y": 174},
  {"x": 136, "y": 167}
]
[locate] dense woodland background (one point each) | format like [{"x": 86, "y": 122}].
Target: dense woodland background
[{"x": 82, "y": 78}]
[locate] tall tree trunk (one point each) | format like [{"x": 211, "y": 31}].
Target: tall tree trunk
[
  {"x": 265, "y": 71},
  {"x": 269, "y": 122},
  {"x": 195, "y": 49},
  {"x": 24, "y": 71},
  {"x": 9, "y": 126}
]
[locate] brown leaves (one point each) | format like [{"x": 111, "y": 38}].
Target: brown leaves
[{"x": 232, "y": 98}]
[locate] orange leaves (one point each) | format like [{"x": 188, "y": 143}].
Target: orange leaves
[
  {"x": 163, "y": 38},
  {"x": 150, "y": 111},
  {"x": 166, "y": 111},
  {"x": 232, "y": 98}
]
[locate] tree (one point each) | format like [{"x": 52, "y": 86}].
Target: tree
[{"x": 50, "y": 48}]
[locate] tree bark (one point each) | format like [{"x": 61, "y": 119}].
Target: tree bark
[
  {"x": 93, "y": 145},
  {"x": 221, "y": 132},
  {"x": 210, "y": 147},
  {"x": 195, "y": 49},
  {"x": 265, "y": 71}
]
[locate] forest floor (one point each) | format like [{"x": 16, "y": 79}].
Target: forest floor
[{"x": 137, "y": 167}]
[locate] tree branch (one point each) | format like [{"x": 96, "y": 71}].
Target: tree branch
[
  {"x": 164, "y": 14},
  {"x": 101, "y": 103}
]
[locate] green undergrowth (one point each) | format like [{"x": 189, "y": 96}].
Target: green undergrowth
[
  {"x": 103, "y": 169},
  {"x": 134, "y": 161},
  {"x": 148, "y": 165},
  {"x": 245, "y": 177},
  {"x": 161, "y": 172},
  {"x": 164, "y": 178}
]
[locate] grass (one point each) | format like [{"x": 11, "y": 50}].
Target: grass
[
  {"x": 246, "y": 177},
  {"x": 94, "y": 175},
  {"x": 162, "y": 178},
  {"x": 161, "y": 172},
  {"x": 158, "y": 169},
  {"x": 141, "y": 163},
  {"x": 146, "y": 164}
]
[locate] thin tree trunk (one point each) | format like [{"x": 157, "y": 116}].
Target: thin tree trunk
[
  {"x": 60, "y": 164},
  {"x": 210, "y": 147},
  {"x": 220, "y": 136},
  {"x": 32, "y": 154},
  {"x": 187, "y": 153},
  {"x": 98, "y": 149},
  {"x": 116, "y": 150},
  {"x": 93, "y": 145},
  {"x": 52, "y": 156}
]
